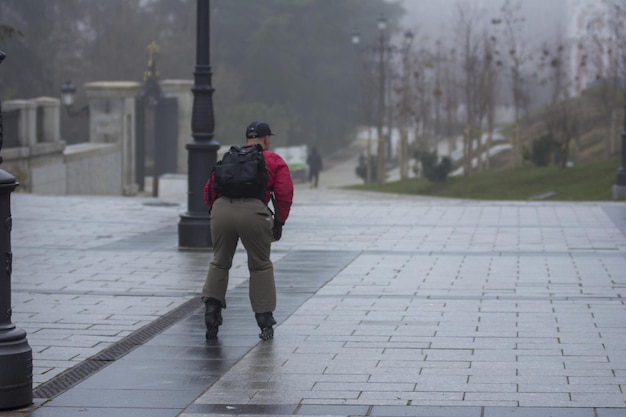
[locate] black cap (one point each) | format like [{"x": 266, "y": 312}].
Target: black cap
[{"x": 258, "y": 129}]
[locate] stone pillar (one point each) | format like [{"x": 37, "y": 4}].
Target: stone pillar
[
  {"x": 47, "y": 171},
  {"x": 38, "y": 161},
  {"x": 51, "y": 118},
  {"x": 112, "y": 120},
  {"x": 22, "y": 127},
  {"x": 27, "y": 125},
  {"x": 30, "y": 120},
  {"x": 181, "y": 90}
]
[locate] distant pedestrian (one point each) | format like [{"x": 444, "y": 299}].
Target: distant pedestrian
[
  {"x": 314, "y": 161},
  {"x": 250, "y": 220}
]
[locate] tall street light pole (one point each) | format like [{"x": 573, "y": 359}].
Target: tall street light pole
[
  {"x": 367, "y": 100},
  {"x": 380, "y": 166},
  {"x": 384, "y": 48},
  {"x": 405, "y": 105},
  {"x": 16, "y": 357},
  {"x": 194, "y": 228}
]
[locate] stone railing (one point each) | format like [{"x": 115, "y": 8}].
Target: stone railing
[
  {"x": 42, "y": 162},
  {"x": 36, "y": 157}
]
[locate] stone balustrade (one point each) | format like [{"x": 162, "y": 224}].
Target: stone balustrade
[{"x": 43, "y": 163}]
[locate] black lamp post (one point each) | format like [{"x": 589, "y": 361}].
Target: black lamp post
[
  {"x": 405, "y": 104},
  {"x": 356, "y": 39},
  {"x": 68, "y": 90},
  {"x": 380, "y": 116},
  {"x": 380, "y": 162},
  {"x": 194, "y": 229},
  {"x": 382, "y": 25},
  {"x": 16, "y": 358}
]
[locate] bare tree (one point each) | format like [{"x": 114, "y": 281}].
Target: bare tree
[
  {"x": 405, "y": 101},
  {"x": 451, "y": 98},
  {"x": 561, "y": 118},
  {"x": 518, "y": 55},
  {"x": 607, "y": 32},
  {"x": 486, "y": 97},
  {"x": 468, "y": 19},
  {"x": 420, "y": 85},
  {"x": 437, "y": 93}
]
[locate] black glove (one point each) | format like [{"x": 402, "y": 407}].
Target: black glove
[{"x": 277, "y": 230}]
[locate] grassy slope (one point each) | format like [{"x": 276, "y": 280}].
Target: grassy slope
[
  {"x": 583, "y": 182},
  {"x": 591, "y": 179}
]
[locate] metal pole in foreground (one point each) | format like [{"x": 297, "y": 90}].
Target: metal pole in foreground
[
  {"x": 16, "y": 358},
  {"x": 194, "y": 228}
]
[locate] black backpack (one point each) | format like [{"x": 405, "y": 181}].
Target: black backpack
[{"x": 241, "y": 173}]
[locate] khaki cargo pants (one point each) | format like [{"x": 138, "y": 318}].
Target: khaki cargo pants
[{"x": 251, "y": 221}]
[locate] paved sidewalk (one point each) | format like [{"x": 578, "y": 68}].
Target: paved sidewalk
[{"x": 389, "y": 306}]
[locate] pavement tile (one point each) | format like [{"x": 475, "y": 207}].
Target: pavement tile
[
  {"x": 444, "y": 308},
  {"x": 539, "y": 411},
  {"x": 99, "y": 412},
  {"x": 124, "y": 398},
  {"x": 396, "y": 411},
  {"x": 332, "y": 410}
]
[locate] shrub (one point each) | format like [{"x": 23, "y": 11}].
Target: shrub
[
  {"x": 361, "y": 169},
  {"x": 434, "y": 168},
  {"x": 543, "y": 151}
]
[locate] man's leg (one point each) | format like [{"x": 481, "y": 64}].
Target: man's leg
[
  {"x": 224, "y": 236},
  {"x": 256, "y": 236}
]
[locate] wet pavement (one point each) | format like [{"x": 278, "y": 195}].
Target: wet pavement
[{"x": 387, "y": 306}]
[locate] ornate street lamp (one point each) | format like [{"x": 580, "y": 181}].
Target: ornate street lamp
[
  {"x": 194, "y": 228},
  {"x": 68, "y": 89},
  {"x": 16, "y": 357},
  {"x": 68, "y": 92}
]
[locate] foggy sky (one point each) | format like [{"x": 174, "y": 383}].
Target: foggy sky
[{"x": 436, "y": 18}]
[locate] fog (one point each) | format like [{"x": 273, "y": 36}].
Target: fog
[{"x": 435, "y": 19}]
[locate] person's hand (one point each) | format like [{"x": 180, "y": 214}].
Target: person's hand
[{"x": 277, "y": 231}]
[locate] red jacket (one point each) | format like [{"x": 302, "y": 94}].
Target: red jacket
[{"x": 279, "y": 183}]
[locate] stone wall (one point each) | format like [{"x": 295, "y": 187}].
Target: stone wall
[
  {"x": 93, "y": 169},
  {"x": 42, "y": 162}
]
